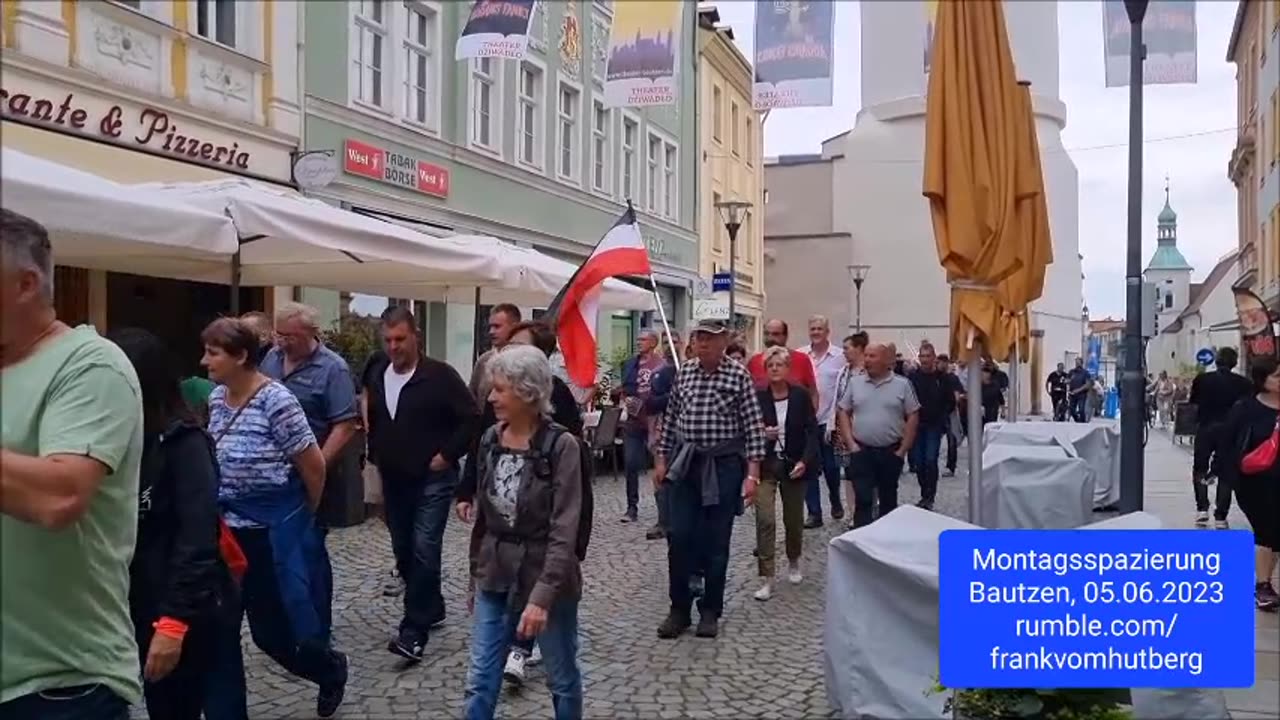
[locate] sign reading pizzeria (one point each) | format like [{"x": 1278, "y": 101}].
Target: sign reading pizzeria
[
  {"x": 394, "y": 168},
  {"x": 149, "y": 127}
]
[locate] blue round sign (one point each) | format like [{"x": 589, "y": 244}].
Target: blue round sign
[{"x": 1206, "y": 356}]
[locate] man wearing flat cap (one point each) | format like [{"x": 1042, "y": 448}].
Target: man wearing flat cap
[{"x": 709, "y": 454}]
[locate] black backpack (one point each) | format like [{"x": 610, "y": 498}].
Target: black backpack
[{"x": 542, "y": 454}]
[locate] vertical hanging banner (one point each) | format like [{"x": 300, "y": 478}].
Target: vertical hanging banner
[
  {"x": 496, "y": 29},
  {"x": 793, "y": 49},
  {"x": 930, "y": 19},
  {"x": 1255, "y": 325},
  {"x": 1168, "y": 31},
  {"x": 644, "y": 47}
]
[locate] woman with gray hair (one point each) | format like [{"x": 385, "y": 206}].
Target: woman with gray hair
[{"x": 525, "y": 544}]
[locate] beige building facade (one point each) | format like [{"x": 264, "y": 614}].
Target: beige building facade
[
  {"x": 732, "y": 141},
  {"x": 806, "y": 259},
  {"x": 1254, "y": 166}
]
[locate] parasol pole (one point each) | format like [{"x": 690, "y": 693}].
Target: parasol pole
[{"x": 974, "y": 412}]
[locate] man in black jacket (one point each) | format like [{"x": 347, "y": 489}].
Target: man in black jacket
[
  {"x": 936, "y": 395},
  {"x": 1213, "y": 394},
  {"x": 422, "y": 418}
]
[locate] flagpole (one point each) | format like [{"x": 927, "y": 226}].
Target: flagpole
[{"x": 662, "y": 314}]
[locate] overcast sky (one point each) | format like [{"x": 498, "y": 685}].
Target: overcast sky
[{"x": 1096, "y": 116}]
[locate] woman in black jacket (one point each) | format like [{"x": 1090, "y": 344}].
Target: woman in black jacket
[
  {"x": 181, "y": 594},
  {"x": 792, "y": 431},
  {"x": 1250, "y": 423}
]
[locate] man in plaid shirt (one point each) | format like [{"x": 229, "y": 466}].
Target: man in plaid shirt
[{"x": 712, "y": 443}]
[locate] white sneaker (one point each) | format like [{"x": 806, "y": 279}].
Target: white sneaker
[
  {"x": 765, "y": 592},
  {"x": 1202, "y": 518},
  {"x": 1221, "y": 525},
  {"x": 794, "y": 576},
  {"x": 536, "y": 656},
  {"x": 514, "y": 671}
]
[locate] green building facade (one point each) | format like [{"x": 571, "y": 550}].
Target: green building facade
[{"x": 525, "y": 151}]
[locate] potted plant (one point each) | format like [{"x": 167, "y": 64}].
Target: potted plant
[{"x": 1033, "y": 704}]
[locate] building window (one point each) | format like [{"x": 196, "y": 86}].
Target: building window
[
  {"x": 734, "y": 139},
  {"x": 670, "y": 206},
  {"x": 651, "y": 174},
  {"x": 630, "y": 134},
  {"x": 717, "y": 114},
  {"x": 600, "y": 120},
  {"x": 216, "y": 20},
  {"x": 717, "y": 245},
  {"x": 660, "y": 175},
  {"x": 370, "y": 53},
  {"x": 484, "y": 110},
  {"x": 420, "y": 65},
  {"x": 567, "y": 113},
  {"x": 529, "y": 120}
]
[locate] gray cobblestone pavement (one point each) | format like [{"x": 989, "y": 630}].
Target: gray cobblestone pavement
[{"x": 767, "y": 661}]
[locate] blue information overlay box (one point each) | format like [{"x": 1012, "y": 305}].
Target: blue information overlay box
[{"x": 1096, "y": 608}]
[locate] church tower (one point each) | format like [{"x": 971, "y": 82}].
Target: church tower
[{"x": 1168, "y": 270}]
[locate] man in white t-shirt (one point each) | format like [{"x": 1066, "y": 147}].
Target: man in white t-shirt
[{"x": 828, "y": 361}]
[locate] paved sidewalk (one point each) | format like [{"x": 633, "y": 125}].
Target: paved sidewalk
[{"x": 1168, "y": 496}]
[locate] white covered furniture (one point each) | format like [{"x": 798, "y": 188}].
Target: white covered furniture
[
  {"x": 880, "y": 631},
  {"x": 1035, "y": 487},
  {"x": 1097, "y": 443}
]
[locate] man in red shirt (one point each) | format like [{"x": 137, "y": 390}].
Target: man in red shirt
[{"x": 775, "y": 335}]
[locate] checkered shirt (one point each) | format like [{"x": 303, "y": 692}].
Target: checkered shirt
[{"x": 709, "y": 408}]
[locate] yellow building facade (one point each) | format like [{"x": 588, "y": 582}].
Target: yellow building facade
[
  {"x": 140, "y": 91},
  {"x": 731, "y": 139}
]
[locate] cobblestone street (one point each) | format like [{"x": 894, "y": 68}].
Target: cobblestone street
[{"x": 767, "y": 661}]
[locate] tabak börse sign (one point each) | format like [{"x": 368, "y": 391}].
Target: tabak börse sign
[{"x": 394, "y": 168}]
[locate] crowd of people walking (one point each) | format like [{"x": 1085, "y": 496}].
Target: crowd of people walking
[{"x": 173, "y": 507}]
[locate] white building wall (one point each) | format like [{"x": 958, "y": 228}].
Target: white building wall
[{"x": 879, "y": 179}]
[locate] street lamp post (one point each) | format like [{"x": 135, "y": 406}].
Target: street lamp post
[
  {"x": 1132, "y": 395},
  {"x": 733, "y": 211},
  {"x": 858, "y": 273}
]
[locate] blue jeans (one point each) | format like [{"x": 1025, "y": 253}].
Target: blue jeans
[
  {"x": 924, "y": 456},
  {"x": 830, "y": 469},
  {"x": 700, "y": 534},
  {"x": 81, "y": 702},
  {"x": 494, "y": 630},
  {"x": 635, "y": 456},
  {"x": 417, "y": 512},
  {"x": 312, "y": 659}
]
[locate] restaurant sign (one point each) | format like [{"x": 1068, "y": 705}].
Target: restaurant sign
[
  {"x": 146, "y": 126},
  {"x": 394, "y": 168}
]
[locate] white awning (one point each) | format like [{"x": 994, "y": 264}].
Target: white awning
[
  {"x": 102, "y": 225},
  {"x": 287, "y": 239},
  {"x": 529, "y": 277}
]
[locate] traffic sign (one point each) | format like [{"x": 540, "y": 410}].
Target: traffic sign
[
  {"x": 721, "y": 281},
  {"x": 1206, "y": 356}
]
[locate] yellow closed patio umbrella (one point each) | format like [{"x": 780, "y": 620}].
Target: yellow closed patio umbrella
[
  {"x": 973, "y": 176},
  {"x": 1035, "y": 246}
]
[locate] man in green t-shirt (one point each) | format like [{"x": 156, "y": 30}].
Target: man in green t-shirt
[{"x": 72, "y": 441}]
